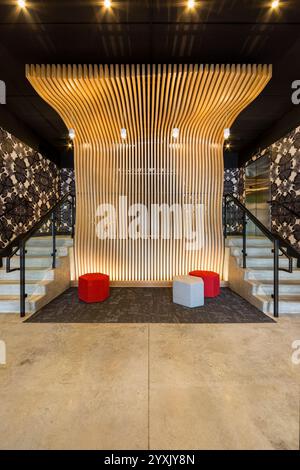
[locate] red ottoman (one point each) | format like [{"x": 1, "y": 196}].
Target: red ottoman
[
  {"x": 93, "y": 287},
  {"x": 211, "y": 282}
]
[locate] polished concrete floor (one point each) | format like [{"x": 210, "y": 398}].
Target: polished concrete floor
[{"x": 149, "y": 386}]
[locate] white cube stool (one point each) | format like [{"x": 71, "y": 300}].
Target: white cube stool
[{"x": 188, "y": 291}]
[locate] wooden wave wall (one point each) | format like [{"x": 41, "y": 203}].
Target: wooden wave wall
[{"x": 150, "y": 166}]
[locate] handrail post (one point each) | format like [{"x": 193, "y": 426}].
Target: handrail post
[
  {"x": 244, "y": 251},
  {"x": 53, "y": 232},
  {"x": 225, "y": 217},
  {"x": 276, "y": 278},
  {"x": 23, "y": 294}
]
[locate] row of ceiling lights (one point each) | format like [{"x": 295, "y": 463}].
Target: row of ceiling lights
[
  {"x": 175, "y": 133},
  {"x": 191, "y": 4}
]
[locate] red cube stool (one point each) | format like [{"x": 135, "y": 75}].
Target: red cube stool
[
  {"x": 93, "y": 287},
  {"x": 211, "y": 282}
]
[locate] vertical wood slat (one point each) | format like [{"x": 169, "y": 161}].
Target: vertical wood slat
[{"x": 149, "y": 100}]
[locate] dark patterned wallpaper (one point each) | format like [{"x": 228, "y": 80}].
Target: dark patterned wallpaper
[
  {"x": 284, "y": 158},
  {"x": 234, "y": 183},
  {"x": 29, "y": 186},
  {"x": 285, "y": 180},
  {"x": 67, "y": 185}
]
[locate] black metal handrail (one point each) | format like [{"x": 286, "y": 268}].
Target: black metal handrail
[
  {"x": 282, "y": 204},
  {"x": 279, "y": 244},
  {"x": 18, "y": 244}
]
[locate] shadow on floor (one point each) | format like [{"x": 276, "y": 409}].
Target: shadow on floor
[{"x": 147, "y": 305}]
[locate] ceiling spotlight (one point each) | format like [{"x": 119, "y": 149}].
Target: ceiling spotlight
[
  {"x": 175, "y": 133},
  {"x": 275, "y": 4},
  {"x": 191, "y": 4},
  {"x": 70, "y": 145},
  {"x": 227, "y": 146},
  {"x": 22, "y": 3},
  {"x": 123, "y": 133},
  {"x": 72, "y": 134},
  {"x": 107, "y": 3},
  {"x": 226, "y": 133}
]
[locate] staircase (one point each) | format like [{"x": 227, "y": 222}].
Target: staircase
[
  {"x": 42, "y": 283},
  {"x": 255, "y": 283}
]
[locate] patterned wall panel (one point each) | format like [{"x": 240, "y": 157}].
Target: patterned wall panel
[
  {"x": 66, "y": 185},
  {"x": 29, "y": 186},
  {"x": 285, "y": 179},
  {"x": 234, "y": 183},
  {"x": 149, "y": 168}
]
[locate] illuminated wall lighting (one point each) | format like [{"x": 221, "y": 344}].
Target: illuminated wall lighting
[
  {"x": 123, "y": 133},
  {"x": 72, "y": 134},
  {"x": 22, "y": 3},
  {"x": 107, "y": 3},
  {"x": 191, "y": 4},
  {"x": 275, "y": 4},
  {"x": 175, "y": 133},
  {"x": 226, "y": 133}
]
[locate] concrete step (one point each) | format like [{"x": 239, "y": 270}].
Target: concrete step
[
  {"x": 46, "y": 250},
  {"x": 265, "y": 262},
  {"x": 11, "y": 303},
  {"x": 32, "y": 287},
  {"x": 32, "y": 274},
  {"x": 47, "y": 241},
  {"x": 34, "y": 261},
  {"x": 251, "y": 242},
  {"x": 288, "y": 304},
  {"x": 253, "y": 251},
  {"x": 42, "y": 282},
  {"x": 286, "y": 288},
  {"x": 263, "y": 274}
]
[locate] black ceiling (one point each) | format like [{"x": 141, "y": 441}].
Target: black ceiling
[{"x": 157, "y": 31}]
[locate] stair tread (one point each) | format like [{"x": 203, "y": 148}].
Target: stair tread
[
  {"x": 262, "y": 257},
  {"x": 282, "y": 298},
  {"x": 36, "y": 256},
  {"x": 268, "y": 269},
  {"x": 6, "y": 297},
  {"x": 31, "y": 268},
  {"x": 269, "y": 282},
  {"x": 12, "y": 282}
]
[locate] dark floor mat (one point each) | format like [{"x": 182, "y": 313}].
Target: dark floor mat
[{"x": 148, "y": 305}]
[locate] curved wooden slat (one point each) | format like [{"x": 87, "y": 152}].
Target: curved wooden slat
[{"x": 149, "y": 101}]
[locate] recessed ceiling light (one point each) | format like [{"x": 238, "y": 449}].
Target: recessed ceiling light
[
  {"x": 175, "y": 133},
  {"x": 107, "y": 3},
  {"x": 22, "y": 3},
  {"x": 191, "y": 4},
  {"x": 226, "y": 133},
  {"x": 72, "y": 134},
  {"x": 123, "y": 133},
  {"x": 275, "y": 4}
]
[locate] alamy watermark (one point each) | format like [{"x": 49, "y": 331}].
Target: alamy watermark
[
  {"x": 2, "y": 353},
  {"x": 2, "y": 92},
  {"x": 296, "y": 353},
  {"x": 296, "y": 92},
  {"x": 159, "y": 221}
]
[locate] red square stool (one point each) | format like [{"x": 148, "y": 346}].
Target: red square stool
[
  {"x": 211, "y": 282},
  {"x": 93, "y": 287}
]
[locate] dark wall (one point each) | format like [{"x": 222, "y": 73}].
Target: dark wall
[
  {"x": 279, "y": 130},
  {"x": 27, "y": 135}
]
